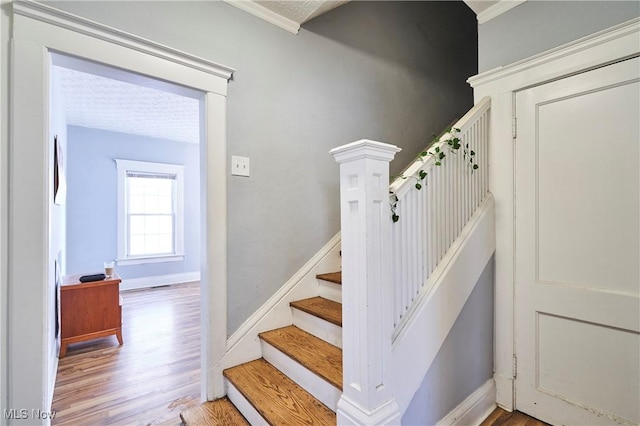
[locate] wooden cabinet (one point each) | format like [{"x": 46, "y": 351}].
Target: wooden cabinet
[{"x": 89, "y": 310}]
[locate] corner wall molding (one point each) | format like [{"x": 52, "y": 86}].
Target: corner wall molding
[
  {"x": 44, "y": 13},
  {"x": 263, "y": 13},
  {"x": 497, "y": 9}
]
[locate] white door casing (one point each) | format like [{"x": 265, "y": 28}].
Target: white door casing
[
  {"x": 38, "y": 30},
  {"x": 577, "y": 285},
  {"x": 607, "y": 46}
]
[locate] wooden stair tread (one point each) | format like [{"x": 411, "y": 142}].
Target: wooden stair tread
[
  {"x": 320, "y": 307},
  {"x": 334, "y": 277},
  {"x": 276, "y": 397},
  {"x": 320, "y": 357},
  {"x": 212, "y": 413}
]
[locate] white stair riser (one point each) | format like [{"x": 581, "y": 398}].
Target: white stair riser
[
  {"x": 322, "y": 390},
  {"x": 329, "y": 290},
  {"x": 320, "y": 328},
  {"x": 243, "y": 405}
]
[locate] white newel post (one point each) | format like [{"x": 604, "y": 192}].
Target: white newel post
[{"x": 367, "y": 294}]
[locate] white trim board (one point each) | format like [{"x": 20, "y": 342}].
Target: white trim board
[
  {"x": 37, "y": 31},
  {"x": 601, "y": 48},
  {"x": 47, "y": 14},
  {"x": 474, "y": 409},
  {"x": 159, "y": 280},
  {"x": 615, "y": 43}
]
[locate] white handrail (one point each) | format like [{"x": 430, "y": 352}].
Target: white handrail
[
  {"x": 399, "y": 185},
  {"x": 431, "y": 218}
]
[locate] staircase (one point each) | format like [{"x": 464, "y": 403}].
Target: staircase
[
  {"x": 298, "y": 380},
  {"x": 406, "y": 284}
]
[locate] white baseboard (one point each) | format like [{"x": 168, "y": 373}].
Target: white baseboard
[
  {"x": 244, "y": 345},
  {"x": 146, "y": 282},
  {"x": 474, "y": 409}
]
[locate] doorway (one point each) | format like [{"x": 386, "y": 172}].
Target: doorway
[
  {"x": 578, "y": 248},
  {"x": 101, "y": 116},
  {"x": 37, "y": 31}
]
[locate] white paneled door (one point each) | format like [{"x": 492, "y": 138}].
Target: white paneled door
[{"x": 578, "y": 248}]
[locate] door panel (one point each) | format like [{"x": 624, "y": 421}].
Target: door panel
[
  {"x": 578, "y": 248},
  {"x": 585, "y": 202},
  {"x": 568, "y": 348}
]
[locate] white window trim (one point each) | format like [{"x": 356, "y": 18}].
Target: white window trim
[{"x": 125, "y": 166}]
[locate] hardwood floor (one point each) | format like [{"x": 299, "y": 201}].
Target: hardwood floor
[
  {"x": 150, "y": 379},
  {"x": 500, "y": 417}
]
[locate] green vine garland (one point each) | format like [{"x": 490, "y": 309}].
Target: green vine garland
[{"x": 453, "y": 144}]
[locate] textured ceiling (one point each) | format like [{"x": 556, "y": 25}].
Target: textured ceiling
[
  {"x": 300, "y": 11},
  {"x": 104, "y": 103}
]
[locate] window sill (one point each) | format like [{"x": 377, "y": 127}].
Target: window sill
[{"x": 150, "y": 259}]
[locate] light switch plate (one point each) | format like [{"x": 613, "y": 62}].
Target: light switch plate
[{"x": 239, "y": 166}]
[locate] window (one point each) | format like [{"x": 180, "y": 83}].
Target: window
[{"x": 150, "y": 212}]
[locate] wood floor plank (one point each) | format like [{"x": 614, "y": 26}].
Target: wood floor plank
[
  {"x": 150, "y": 379},
  {"x": 500, "y": 417},
  {"x": 493, "y": 417},
  {"x": 220, "y": 412},
  {"x": 320, "y": 307},
  {"x": 278, "y": 399},
  {"x": 334, "y": 277},
  {"x": 320, "y": 357}
]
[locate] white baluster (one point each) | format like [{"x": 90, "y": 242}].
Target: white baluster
[{"x": 367, "y": 293}]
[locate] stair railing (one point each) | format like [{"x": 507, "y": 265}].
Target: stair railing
[
  {"x": 386, "y": 265},
  {"x": 432, "y": 217}
]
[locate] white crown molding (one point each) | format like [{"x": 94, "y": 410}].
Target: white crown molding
[
  {"x": 262, "y": 12},
  {"x": 44, "y": 13},
  {"x": 497, "y": 9}
]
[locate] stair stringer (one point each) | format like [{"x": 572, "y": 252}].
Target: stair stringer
[
  {"x": 425, "y": 327},
  {"x": 244, "y": 344}
]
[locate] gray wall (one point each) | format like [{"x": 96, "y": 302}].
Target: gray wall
[
  {"x": 388, "y": 71},
  {"x": 464, "y": 362},
  {"x": 536, "y": 26},
  {"x": 92, "y": 181}
]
